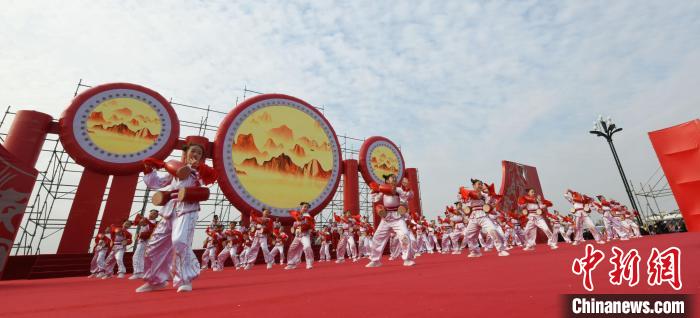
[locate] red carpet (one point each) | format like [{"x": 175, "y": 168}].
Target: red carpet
[{"x": 526, "y": 284}]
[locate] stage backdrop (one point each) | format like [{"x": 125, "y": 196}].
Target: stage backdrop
[{"x": 679, "y": 155}]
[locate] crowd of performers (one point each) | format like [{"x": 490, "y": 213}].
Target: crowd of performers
[{"x": 474, "y": 222}]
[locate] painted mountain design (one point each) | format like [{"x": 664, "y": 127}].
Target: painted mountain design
[
  {"x": 124, "y": 111},
  {"x": 283, "y": 132},
  {"x": 313, "y": 169},
  {"x": 271, "y": 145},
  {"x": 281, "y": 163},
  {"x": 245, "y": 143},
  {"x": 284, "y": 164},
  {"x": 265, "y": 117},
  {"x": 313, "y": 145},
  {"x": 123, "y": 130},
  {"x": 97, "y": 117},
  {"x": 298, "y": 151}
]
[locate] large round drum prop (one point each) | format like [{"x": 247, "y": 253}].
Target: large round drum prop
[
  {"x": 275, "y": 151},
  {"x": 110, "y": 128},
  {"x": 378, "y": 157}
]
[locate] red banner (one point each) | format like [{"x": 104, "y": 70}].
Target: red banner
[{"x": 679, "y": 155}]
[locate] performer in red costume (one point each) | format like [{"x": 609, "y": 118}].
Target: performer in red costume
[
  {"x": 478, "y": 202},
  {"x": 120, "y": 237},
  {"x": 391, "y": 205},
  {"x": 613, "y": 227},
  {"x": 100, "y": 251},
  {"x": 212, "y": 247},
  {"x": 326, "y": 241},
  {"x": 146, "y": 227},
  {"x": 301, "y": 228},
  {"x": 262, "y": 228},
  {"x": 582, "y": 207},
  {"x": 169, "y": 250},
  {"x": 233, "y": 238},
  {"x": 280, "y": 238},
  {"x": 346, "y": 243},
  {"x": 535, "y": 208}
]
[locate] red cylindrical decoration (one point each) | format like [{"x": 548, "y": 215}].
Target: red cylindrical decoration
[
  {"x": 27, "y": 135},
  {"x": 414, "y": 204},
  {"x": 18, "y": 156},
  {"x": 679, "y": 155},
  {"x": 351, "y": 191}
]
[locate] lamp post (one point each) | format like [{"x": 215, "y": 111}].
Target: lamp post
[{"x": 606, "y": 129}]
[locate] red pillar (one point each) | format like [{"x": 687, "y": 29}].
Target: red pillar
[
  {"x": 80, "y": 225},
  {"x": 414, "y": 205},
  {"x": 351, "y": 186},
  {"x": 18, "y": 156},
  {"x": 119, "y": 201}
]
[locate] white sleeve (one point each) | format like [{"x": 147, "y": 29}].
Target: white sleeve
[
  {"x": 377, "y": 197},
  {"x": 154, "y": 181},
  {"x": 404, "y": 196}
]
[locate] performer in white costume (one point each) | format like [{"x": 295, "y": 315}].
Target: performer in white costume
[
  {"x": 147, "y": 226},
  {"x": 100, "y": 251},
  {"x": 478, "y": 202},
  {"x": 581, "y": 209},
  {"x": 391, "y": 204},
  {"x": 535, "y": 208},
  {"x": 120, "y": 239},
  {"x": 301, "y": 228},
  {"x": 169, "y": 250}
]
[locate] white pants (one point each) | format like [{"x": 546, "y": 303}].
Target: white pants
[
  {"x": 277, "y": 249},
  {"x": 138, "y": 258},
  {"x": 474, "y": 229},
  {"x": 584, "y": 222},
  {"x": 446, "y": 242},
  {"x": 614, "y": 227},
  {"x": 382, "y": 234},
  {"x": 259, "y": 242},
  {"x": 227, "y": 252},
  {"x": 97, "y": 264},
  {"x": 346, "y": 243},
  {"x": 560, "y": 228},
  {"x": 170, "y": 251},
  {"x": 394, "y": 247},
  {"x": 301, "y": 243},
  {"x": 115, "y": 257},
  {"x": 535, "y": 221},
  {"x": 325, "y": 251},
  {"x": 363, "y": 248},
  {"x": 457, "y": 235}
]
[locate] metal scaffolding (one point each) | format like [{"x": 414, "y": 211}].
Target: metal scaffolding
[
  {"x": 57, "y": 182},
  {"x": 654, "y": 197}
]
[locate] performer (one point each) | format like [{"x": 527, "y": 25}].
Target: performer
[
  {"x": 446, "y": 233},
  {"x": 213, "y": 244},
  {"x": 302, "y": 226},
  {"x": 480, "y": 201},
  {"x": 233, "y": 239},
  {"x": 247, "y": 244},
  {"x": 391, "y": 202},
  {"x": 263, "y": 227},
  {"x": 581, "y": 209},
  {"x": 146, "y": 227},
  {"x": 433, "y": 244},
  {"x": 280, "y": 239},
  {"x": 326, "y": 241},
  {"x": 346, "y": 244},
  {"x": 100, "y": 251},
  {"x": 458, "y": 228},
  {"x": 170, "y": 248},
  {"x": 535, "y": 207},
  {"x": 363, "y": 247},
  {"x": 613, "y": 227},
  {"x": 120, "y": 237}
]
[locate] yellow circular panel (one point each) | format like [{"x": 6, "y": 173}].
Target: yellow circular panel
[
  {"x": 282, "y": 156},
  {"x": 384, "y": 161},
  {"x": 123, "y": 126}
]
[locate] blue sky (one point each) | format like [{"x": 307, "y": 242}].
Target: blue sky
[{"x": 466, "y": 84}]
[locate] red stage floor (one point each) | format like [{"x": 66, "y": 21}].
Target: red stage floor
[{"x": 526, "y": 284}]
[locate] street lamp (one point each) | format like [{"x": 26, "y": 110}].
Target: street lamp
[{"x": 606, "y": 129}]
